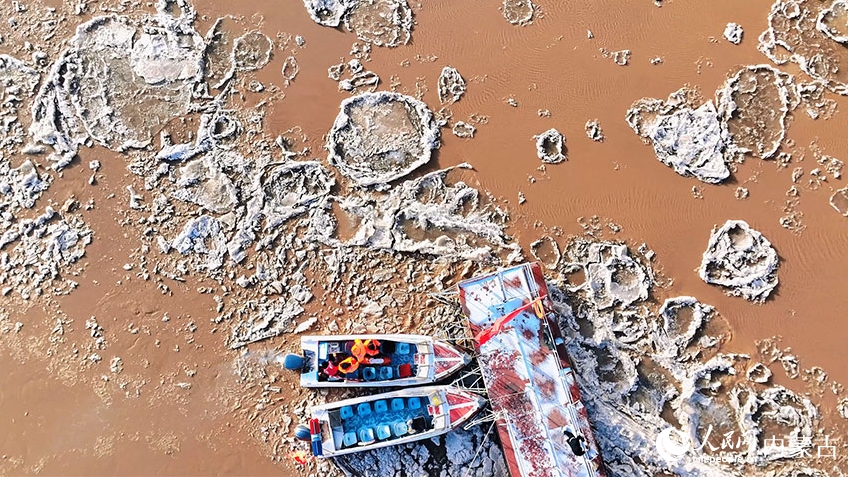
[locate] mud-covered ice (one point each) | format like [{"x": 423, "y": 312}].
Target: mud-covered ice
[
  {"x": 252, "y": 51},
  {"x": 428, "y": 215},
  {"x": 550, "y": 146},
  {"x": 758, "y": 373},
  {"x": 733, "y": 33},
  {"x": 753, "y": 104},
  {"x": 451, "y": 85},
  {"x": 691, "y": 140},
  {"x": 681, "y": 318},
  {"x": 378, "y": 22},
  {"x": 17, "y": 84},
  {"x": 644, "y": 373},
  {"x": 741, "y": 260},
  {"x": 518, "y": 12},
  {"x": 831, "y": 21},
  {"x": 614, "y": 277},
  {"x": 258, "y": 320},
  {"x": 594, "y": 130},
  {"x": 463, "y": 129},
  {"x": 118, "y": 82},
  {"x": 380, "y": 137},
  {"x": 839, "y": 201},
  {"x": 291, "y": 188},
  {"x": 381, "y": 22},
  {"x": 811, "y": 34}
]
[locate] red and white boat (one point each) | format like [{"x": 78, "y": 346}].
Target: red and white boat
[{"x": 544, "y": 428}]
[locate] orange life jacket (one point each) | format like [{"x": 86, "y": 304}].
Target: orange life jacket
[
  {"x": 349, "y": 365},
  {"x": 372, "y": 347},
  {"x": 358, "y": 349}
]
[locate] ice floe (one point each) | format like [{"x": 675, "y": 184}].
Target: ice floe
[
  {"x": 451, "y": 85},
  {"x": 733, "y": 33},
  {"x": 380, "y": 137},
  {"x": 550, "y": 146},
  {"x": 691, "y": 140},
  {"x": 741, "y": 260},
  {"x": 118, "y": 82}
]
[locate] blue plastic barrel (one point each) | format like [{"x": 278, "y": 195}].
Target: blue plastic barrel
[
  {"x": 317, "y": 448},
  {"x": 302, "y": 433},
  {"x": 293, "y": 361}
]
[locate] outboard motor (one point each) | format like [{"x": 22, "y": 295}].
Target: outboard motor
[
  {"x": 293, "y": 362},
  {"x": 302, "y": 433}
]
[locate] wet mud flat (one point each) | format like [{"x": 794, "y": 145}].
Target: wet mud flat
[{"x": 185, "y": 188}]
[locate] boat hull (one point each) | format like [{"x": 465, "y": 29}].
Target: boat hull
[{"x": 408, "y": 360}]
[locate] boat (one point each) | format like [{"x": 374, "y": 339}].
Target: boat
[
  {"x": 387, "y": 419},
  {"x": 393, "y": 360},
  {"x": 543, "y": 425}
]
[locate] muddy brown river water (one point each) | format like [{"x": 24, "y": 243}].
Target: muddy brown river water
[{"x": 178, "y": 408}]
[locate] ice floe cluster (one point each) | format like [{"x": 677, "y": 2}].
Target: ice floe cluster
[
  {"x": 702, "y": 139},
  {"x": 37, "y": 248},
  {"x": 378, "y": 22},
  {"x": 646, "y": 372},
  {"x": 117, "y": 83},
  {"x": 811, "y": 34}
]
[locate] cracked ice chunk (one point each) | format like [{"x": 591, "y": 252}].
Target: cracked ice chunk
[
  {"x": 518, "y": 12},
  {"x": 451, "y": 85},
  {"x": 252, "y": 51},
  {"x": 328, "y": 12},
  {"x": 741, "y": 259},
  {"x": 203, "y": 235},
  {"x": 380, "y": 137},
  {"x": 550, "y": 146},
  {"x": 692, "y": 142},
  {"x": 753, "y": 105},
  {"x": 733, "y": 33}
]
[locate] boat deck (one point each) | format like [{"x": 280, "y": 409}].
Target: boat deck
[
  {"x": 530, "y": 383},
  {"x": 401, "y": 362},
  {"x": 381, "y": 420}
]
